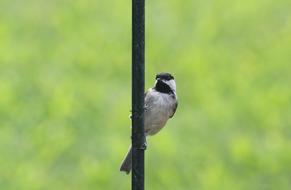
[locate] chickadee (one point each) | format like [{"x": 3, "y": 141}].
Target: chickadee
[{"x": 160, "y": 105}]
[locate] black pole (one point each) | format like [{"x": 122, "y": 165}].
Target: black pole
[{"x": 138, "y": 137}]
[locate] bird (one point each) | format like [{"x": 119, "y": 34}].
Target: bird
[{"x": 160, "y": 104}]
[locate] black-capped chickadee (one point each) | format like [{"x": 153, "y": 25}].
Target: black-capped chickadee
[{"x": 160, "y": 105}]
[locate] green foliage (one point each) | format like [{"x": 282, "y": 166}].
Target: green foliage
[{"x": 60, "y": 130}]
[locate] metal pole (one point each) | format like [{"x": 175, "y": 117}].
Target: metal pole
[{"x": 138, "y": 137}]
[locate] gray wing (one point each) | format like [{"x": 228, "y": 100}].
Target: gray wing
[
  {"x": 145, "y": 106},
  {"x": 174, "y": 109},
  {"x": 146, "y": 100}
]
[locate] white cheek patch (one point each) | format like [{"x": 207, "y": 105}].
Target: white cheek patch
[{"x": 172, "y": 84}]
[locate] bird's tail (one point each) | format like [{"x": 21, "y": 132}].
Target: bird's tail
[{"x": 127, "y": 162}]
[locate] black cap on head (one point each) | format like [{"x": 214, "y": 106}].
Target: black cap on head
[{"x": 165, "y": 76}]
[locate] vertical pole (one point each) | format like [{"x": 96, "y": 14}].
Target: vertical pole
[{"x": 138, "y": 137}]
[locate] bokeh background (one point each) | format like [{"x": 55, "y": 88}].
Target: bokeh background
[{"x": 65, "y": 94}]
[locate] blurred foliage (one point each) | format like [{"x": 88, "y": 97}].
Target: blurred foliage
[{"x": 65, "y": 87}]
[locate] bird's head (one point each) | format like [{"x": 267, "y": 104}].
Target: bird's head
[{"x": 165, "y": 83}]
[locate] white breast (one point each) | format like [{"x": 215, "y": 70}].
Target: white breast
[{"x": 159, "y": 107}]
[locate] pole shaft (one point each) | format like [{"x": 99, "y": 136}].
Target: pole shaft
[{"x": 138, "y": 137}]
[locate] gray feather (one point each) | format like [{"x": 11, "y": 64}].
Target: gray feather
[{"x": 127, "y": 162}]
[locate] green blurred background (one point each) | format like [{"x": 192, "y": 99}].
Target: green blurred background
[{"x": 65, "y": 94}]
